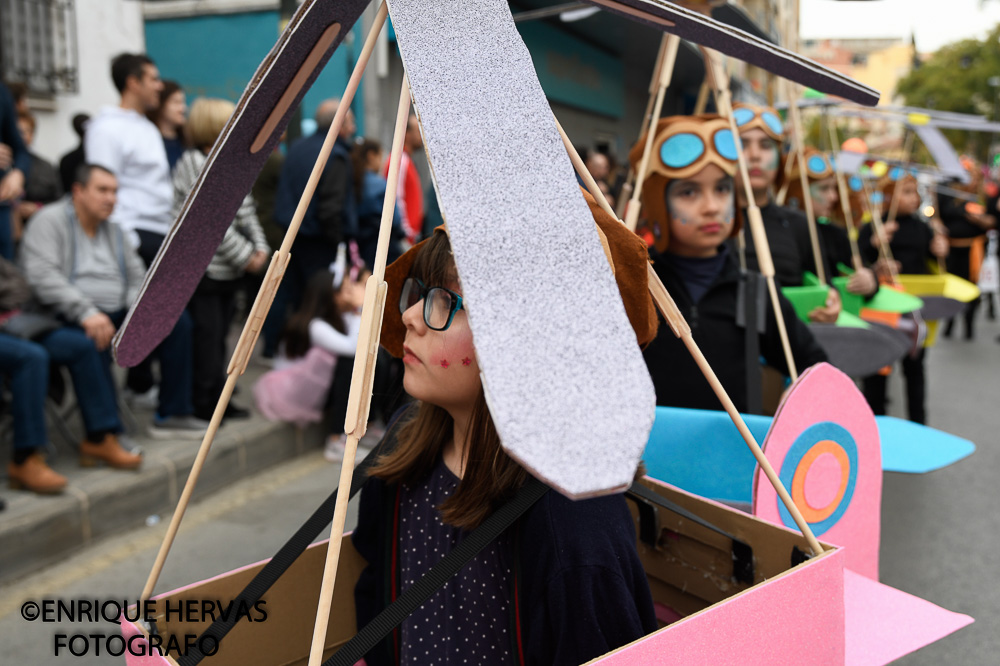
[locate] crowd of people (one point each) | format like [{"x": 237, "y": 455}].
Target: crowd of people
[
  {"x": 77, "y": 238},
  {"x": 87, "y": 229}
]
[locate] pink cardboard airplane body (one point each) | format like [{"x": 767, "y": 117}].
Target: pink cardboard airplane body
[
  {"x": 824, "y": 444},
  {"x": 786, "y": 615}
]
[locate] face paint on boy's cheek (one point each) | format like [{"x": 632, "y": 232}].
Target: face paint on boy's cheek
[
  {"x": 676, "y": 214},
  {"x": 729, "y": 214},
  {"x": 771, "y": 161}
]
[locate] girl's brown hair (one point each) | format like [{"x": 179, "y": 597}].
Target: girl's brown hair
[{"x": 491, "y": 476}]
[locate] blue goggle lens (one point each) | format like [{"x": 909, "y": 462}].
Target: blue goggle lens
[
  {"x": 742, "y": 116},
  {"x": 774, "y": 122},
  {"x": 816, "y": 164},
  {"x": 681, "y": 150},
  {"x": 725, "y": 145}
]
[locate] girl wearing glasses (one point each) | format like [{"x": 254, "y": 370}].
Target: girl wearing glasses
[
  {"x": 688, "y": 198},
  {"x": 822, "y": 182},
  {"x": 763, "y": 134},
  {"x": 564, "y": 584}
]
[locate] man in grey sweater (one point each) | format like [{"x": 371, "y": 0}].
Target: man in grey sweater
[{"x": 81, "y": 266}]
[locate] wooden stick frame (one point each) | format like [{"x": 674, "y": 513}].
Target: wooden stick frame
[
  {"x": 884, "y": 250},
  {"x": 754, "y": 219},
  {"x": 262, "y": 304},
  {"x": 799, "y": 140},
  {"x": 845, "y": 202},
  {"x": 647, "y": 118},
  {"x": 359, "y": 400},
  {"x": 666, "y": 73},
  {"x": 672, "y": 314}
]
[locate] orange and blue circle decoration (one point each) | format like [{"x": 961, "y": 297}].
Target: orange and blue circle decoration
[{"x": 820, "y": 472}]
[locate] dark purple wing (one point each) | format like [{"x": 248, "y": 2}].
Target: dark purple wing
[
  {"x": 261, "y": 115},
  {"x": 726, "y": 39}
]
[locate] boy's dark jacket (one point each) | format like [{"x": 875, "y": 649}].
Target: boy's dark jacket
[
  {"x": 676, "y": 377},
  {"x": 582, "y": 591},
  {"x": 910, "y": 245}
]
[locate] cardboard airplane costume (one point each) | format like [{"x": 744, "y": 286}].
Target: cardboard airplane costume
[{"x": 463, "y": 93}]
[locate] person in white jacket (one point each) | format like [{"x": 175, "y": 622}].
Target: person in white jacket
[{"x": 122, "y": 140}]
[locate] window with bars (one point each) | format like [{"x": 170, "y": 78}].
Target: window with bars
[{"x": 38, "y": 45}]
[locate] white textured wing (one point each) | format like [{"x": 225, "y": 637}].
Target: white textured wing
[{"x": 564, "y": 377}]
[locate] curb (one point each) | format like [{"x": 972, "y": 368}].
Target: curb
[{"x": 38, "y": 531}]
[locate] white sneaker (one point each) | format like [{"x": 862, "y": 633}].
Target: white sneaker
[
  {"x": 148, "y": 400},
  {"x": 177, "y": 427},
  {"x": 335, "y": 447}
]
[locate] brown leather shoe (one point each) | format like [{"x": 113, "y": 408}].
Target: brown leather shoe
[
  {"x": 110, "y": 452},
  {"x": 35, "y": 475}
]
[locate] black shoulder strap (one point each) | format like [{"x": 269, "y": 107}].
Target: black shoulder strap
[
  {"x": 430, "y": 582},
  {"x": 747, "y": 315},
  {"x": 290, "y": 552}
]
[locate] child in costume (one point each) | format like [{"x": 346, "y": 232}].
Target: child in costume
[
  {"x": 967, "y": 223},
  {"x": 688, "y": 197},
  {"x": 561, "y": 586},
  {"x": 323, "y": 329},
  {"x": 787, "y": 229},
  {"x": 913, "y": 243},
  {"x": 833, "y": 238}
]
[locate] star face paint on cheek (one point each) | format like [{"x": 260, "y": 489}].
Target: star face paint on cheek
[
  {"x": 466, "y": 361},
  {"x": 445, "y": 363}
]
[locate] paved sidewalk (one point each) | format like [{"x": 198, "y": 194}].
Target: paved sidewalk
[{"x": 37, "y": 531}]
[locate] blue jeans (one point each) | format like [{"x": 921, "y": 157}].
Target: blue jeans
[
  {"x": 176, "y": 370},
  {"x": 92, "y": 380},
  {"x": 6, "y": 234},
  {"x": 27, "y": 365}
]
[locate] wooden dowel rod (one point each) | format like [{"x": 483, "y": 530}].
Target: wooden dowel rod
[
  {"x": 628, "y": 185},
  {"x": 800, "y": 153},
  {"x": 883, "y": 241},
  {"x": 666, "y": 72},
  {"x": 894, "y": 202},
  {"x": 672, "y": 314},
  {"x": 262, "y": 304},
  {"x": 756, "y": 222},
  {"x": 845, "y": 201},
  {"x": 364, "y": 370}
]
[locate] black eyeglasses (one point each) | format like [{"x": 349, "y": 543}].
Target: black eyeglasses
[{"x": 440, "y": 304}]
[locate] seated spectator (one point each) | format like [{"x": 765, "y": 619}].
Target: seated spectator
[
  {"x": 25, "y": 352},
  {"x": 82, "y": 268},
  {"x": 41, "y": 184},
  {"x": 369, "y": 189},
  {"x": 243, "y": 248},
  {"x": 169, "y": 117},
  {"x": 72, "y": 160},
  {"x": 14, "y": 163},
  {"x": 25, "y": 365}
]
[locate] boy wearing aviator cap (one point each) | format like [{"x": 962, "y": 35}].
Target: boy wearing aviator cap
[{"x": 688, "y": 199}]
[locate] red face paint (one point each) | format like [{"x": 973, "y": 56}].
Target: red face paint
[
  {"x": 466, "y": 361},
  {"x": 445, "y": 363}
]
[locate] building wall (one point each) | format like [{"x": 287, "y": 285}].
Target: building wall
[
  {"x": 216, "y": 55},
  {"x": 105, "y": 28},
  {"x": 884, "y": 69}
]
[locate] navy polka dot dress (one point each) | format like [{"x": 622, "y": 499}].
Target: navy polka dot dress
[{"x": 467, "y": 621}]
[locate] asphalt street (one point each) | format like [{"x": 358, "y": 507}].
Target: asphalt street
[{"x": 939, "y": 530}]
